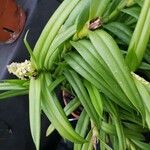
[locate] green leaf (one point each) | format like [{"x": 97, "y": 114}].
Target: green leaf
[
  {"x": 53, "y": 52},
  {"x": 56, "y": 115},
  {"x": 83, "y": 16},
  {"x": 103, "y": 137},
  {"x": 83, "y": 96},
  {"x": 76, "y": 12},
  {"x": 54, "y": 84},
  {"x": 35, "y": 110},
  {"x": 81, "y": 127},
  {"x": 135, "y": 127},
  {"x": 98, "y": 7},
  {"x": 93, "y": 10},
  {"x": 120, "y": 30},
  {"x": 107, "y": 147},
  {"x": 142, "y": 145},
  {"x": 80, "y": 66},
  {"x": 88, "y": 145},
  {"x": 133, "y": 117},
  {"x": 139, "y": 38},
  {"x": 16, "y": 81},
  {"x": 111, "y": 54},
  {"x": 49, "y": 130},
  {"x": 11, "y": 86},
  {"x": 85, "y": 70},
  {"x": 97, "y": 67},
  {"x": 69, "y": 108},
  {"x": 139, "y": 2},
  {"x": 129, "y": 56},
  {"x": 133, "y": 11},
  {"x": 102, "y": 7},
  {"x": 119, "y": 128},
  {"x": 108, "y": 128},
  {"x": 131, "y": 132},
  {"x": 143, "y": 92},
  {"x": 114, "y": 10},
  {"x": 145, "y": 66},
  {"x": 147, "y": 56},
  {"x": 33, "y": 59},
  {"x": 145, "y": 97},
  {"x": 13, "y": 93},
  {"x": 113, "y": 4},
  {"x": 148, "y": 118},
  {"x": 48, "y": 27},
  {"x": 51, "y": 29},
  {"x": 95, "y": 97}
]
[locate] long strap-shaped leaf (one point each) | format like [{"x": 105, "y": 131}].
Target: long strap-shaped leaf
[
  {"x": 72, "y": 19},
  {"x": 48, "y": 27},
  {"x": 80, "y": 66},
  {"x": 119, "y": 128},
  {"x": 81, "y": 127},
  {"x": 52, "y": 29},
  {"x": 88, "y": 52},
  {"x": 93, "y": 10},
  {"x": 68, "y": 109},
  {"x": 102, "y": 7},
  {"x": 120, "y": 5},
  {"x": 34, "y": 61},
  {"x": 95, "y": 97},
  {"x": 98, "y": 7},
  {"x": 11, "y": 86},
  {"x": 60, "y": 38},
  {"x": 111, "y": 54},
  {"x": 133, "y": 11},
  {"x": 133, "y": 117},
  {"x": 83, "y": 96},
  {"x": 145, "y": 94},
  {"x": 142, "y": 145},
  {"x": 112, "y": 7},
  {"x": 121, "y": 30},
  {"x": 56, "y": 115},
  {"x": 13, "y": 93},
  {"x": 139, "y": 38},
  {"x": 35, "y": 110},
  {"x": 129, "y": 133},
  {"x": 89, "y": 145}
]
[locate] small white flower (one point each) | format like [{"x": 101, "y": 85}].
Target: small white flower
[{"x": 22, "y": 70}]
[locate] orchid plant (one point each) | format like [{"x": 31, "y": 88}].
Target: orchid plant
[{"x": 96, "y": 50}]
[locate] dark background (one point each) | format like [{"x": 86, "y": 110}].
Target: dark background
[{"x": 14, "y": 117}]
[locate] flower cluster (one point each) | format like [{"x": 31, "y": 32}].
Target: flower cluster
[{"x": 22, "y": 70}]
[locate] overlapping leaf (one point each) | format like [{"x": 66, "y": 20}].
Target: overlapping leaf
[
  {"x": 111, "y": 54},
  {"x": 82, "y": 127},
  {"x": 35, "y": 110},
  {"x": 68, "y": 109},
  {"x": 82, "y": 94},
  {"x": 56, "y": 115}
]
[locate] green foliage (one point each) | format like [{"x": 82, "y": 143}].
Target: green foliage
[
  {"x": 94, "y": 66},
  {"x": 55, "y": 113},
  {"x": 140, "y": 38},
  {"x": 35, "y": 109}
]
